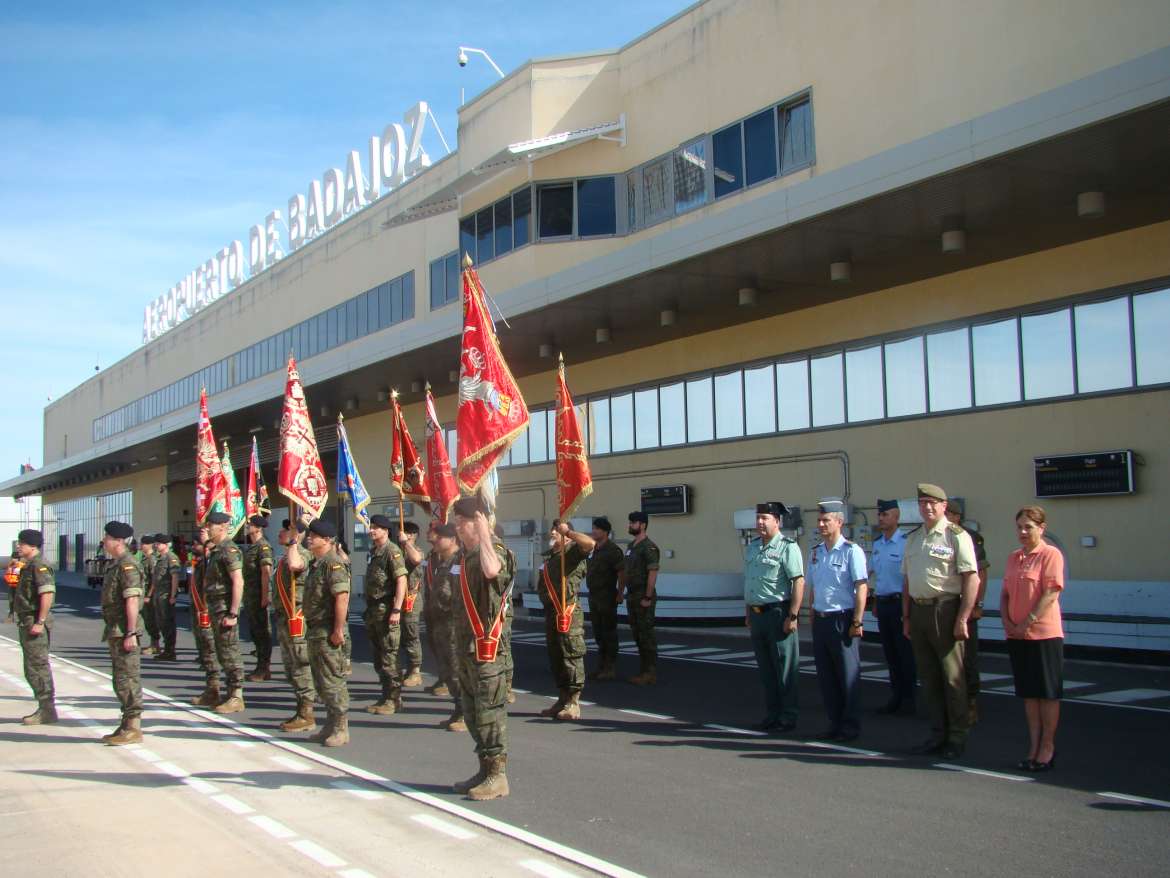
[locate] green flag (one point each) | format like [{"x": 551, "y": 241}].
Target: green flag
[{"x": 232, "y": 492}]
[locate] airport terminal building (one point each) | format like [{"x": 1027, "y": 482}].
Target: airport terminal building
[{"x": 789, "y": 250}]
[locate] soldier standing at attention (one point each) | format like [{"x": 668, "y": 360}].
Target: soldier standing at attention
[
  {"x": 385, "y": 592},
  {"x": 485, "y": 570},
  {"x": 294, "y": 651},
  {"x": 121, "y": 603},
  {"x": 32, "y": 604},
  {"x": 956, "y": 509},
  {"x": 566, "y": 648},
  {"x": 165, "y": 586},
  {"x": 939, "y": 583},
  {"x": 604, "y": 567},
  {"x": 638, "y": 580},
  {"x": 258, "y": 563},
  {"x": 441, "y": 602},
  {"x": 146, "y": 561},
  {"x": 773, "y": 590},
  {"x": 411, "y": 606},
  {"x": 223, "y": 588},
  {"x": 326, "y": 608},
  {"x": 204, "y": 639},
  {"x": 885, "y": 571}
]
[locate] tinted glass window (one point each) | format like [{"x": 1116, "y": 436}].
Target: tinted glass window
[
  {"x": 467, "y": 237},
  {"x": 728, "y": 405},
  {"x": 622, "y": 421},
  {"x": 759, "y": 143},
  {"x": 657, "y": 191},
  {"x": 792, "y": 394},
  {"x": 538, "y": 437},
  {"x": 484, "y": 235},
  {"x": 556, "y": 211},
  {"x": 997, "y": 362},
  {"x": 438, "y": 283},
  {"x": 1048, "y": 367},
  {"x": 1104, "y": 357},
  {"x": 673, "y": 411},
  {"x": 408, "y": 295},
  {"x": 503, "y": 226},
  {"x": 596, "y": 209},
  {"x": 905, "y": 378},
  {"x": 599, "y": 426},
  {"x": 395, "y": 301},
  {"x": 828, "y": 393},
  {"x": 384, "y": 304},
  {"x": 760, "y": 399},
  {"x": 520, "y": 449},
  {"x": 351, "y": 330},
  {"x": 646, "y": 418},
  {"x": 521, "y": 217},
  {"x": 631, "y": 201},
  {"x": 948, "y": 365},
  {"x": 690, "y": 176},
  {"x": 797, "y": 127},
  {"x": 727, "y": 146},
  {"x": 700, "y": 411},
  {"x": 864, "y": 391},
  {"x": 1151, "y": 325},
  {"x": 454, "y": 279},
  {"x": 373, "y": 318}
]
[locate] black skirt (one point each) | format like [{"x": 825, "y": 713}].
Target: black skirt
[{"x": 1038, "y": 667}]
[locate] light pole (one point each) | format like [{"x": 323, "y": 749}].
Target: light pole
[{"x": 463, "y": 50}]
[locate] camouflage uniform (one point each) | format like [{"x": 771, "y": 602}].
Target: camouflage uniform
[
  {"x": 217, "y": 587},
  {"x": 123, "y": 580},
  {"x": 146, "y": 562},
  {"x": 566, "y": 652},
  {"x": 36, "y": 579},
  {"x": 294, "y": 651},
  {"x": 438, "y": 613},
  {"x": 641, "y": 558},
  {"x": 605, "y": 563},
  {"x": 204, "y": 639},
  {"x": 327, "y": 577},
  {"x": 256, "y": 557},
  {"x": 411, "y": 641},
  {"x": 386, "y": 565},
  {"x": 166, "y": 563}
]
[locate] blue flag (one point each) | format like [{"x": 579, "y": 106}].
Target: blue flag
[{"x": 348, "y": 480}]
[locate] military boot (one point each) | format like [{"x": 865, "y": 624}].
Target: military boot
[
  {"x": 209, "y": 697},
  {"x": 234, "y": 703},
  {"x": 605, "y": 672},
  {"x": 572, "y": 708},
  {"x": 45, "y": 714},
  {"x": 648, "y": 677},
  {"x": 107, "y": 738},
  {"x": 386, "y": 690},
  {"x": 303, "y": 720},
  {"x": 438, "y": 688},
  {"x": 324, "y": 732},
  {"x": 494, "y": 784},
  {"x": 152, "y": 649},
  {"x": 129, "y": 733},
  {"x": 413, "y": 678},
  {"x": 550, "y": 712},
  {"x": 454, "y": 723},
  {"x": 340, "y": 735},
  {"x": 263, "y": 672},
  {"x": 389, "y": 707},
  {"x": 463, "y": 787}
]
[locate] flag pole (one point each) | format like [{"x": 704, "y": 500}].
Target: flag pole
[
  {"x": 340, "y": 510},
  {"x": 564, "y": 584}
]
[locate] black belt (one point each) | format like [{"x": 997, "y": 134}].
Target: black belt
[
  {"x": 888, "y": 597},
  {"x": 830, "y": 614},
  {"x": 766, "y": 608},
  {"x": 930, "y": 602}
]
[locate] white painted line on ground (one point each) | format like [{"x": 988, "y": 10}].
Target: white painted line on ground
[
  {"x": 354, "y": 873},
  {"x": 546, "y": 869},
  {"x": 582, "y": 703},
  {"x": 241, "y": 743},
  {"x": 825, "y": 745},
  {"x": 272, "y": 827},
  {"x": 644, "y": 713},
  {"x": 734, "y": 730},
  {"x": 292, "y": 764},
  {"x": 315, "y": 852},
  {"x": 440, "y": 825},
  {"x": 201, "y": 786},
  {"x": 171, "y": 769},
  {"x": 232, "y": 804},
  {"x": 86, "y": 678},
  {"x": 143, "y": 753},
  {"x": 991, "y": 678},
  {"x": 1137, "y": 800},
  {"x": 1124, "y": 696},
  {"x": 354, "y": 789},
  {"x": 982, "y": 772},
  {"x": 735, "y": 656},
  {"x": 521, "y": 691}
]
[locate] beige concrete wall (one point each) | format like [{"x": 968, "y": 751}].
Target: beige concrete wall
[{"x": 150, "y": 504}]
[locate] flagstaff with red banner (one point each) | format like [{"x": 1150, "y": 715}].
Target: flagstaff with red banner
[
  {"x": 256, "y": 500},
  {"x": 574, "y": 480},
  {"x": 208, "y": 474},
  {"x": 407, "y": 472},
  {"x": 440, "y": 482}
]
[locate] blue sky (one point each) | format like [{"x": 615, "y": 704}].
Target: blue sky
[{"x": 136, "y": 139}]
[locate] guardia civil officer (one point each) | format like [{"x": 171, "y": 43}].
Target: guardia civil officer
[
  {"x": 32, "y": 604},
  {"x": 773, "y": 590},
  {"x": 122, "y": 594}
]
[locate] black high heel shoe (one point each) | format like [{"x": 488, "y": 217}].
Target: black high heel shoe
[
  {"x": 1040, "y": 767},
  {"x": 1026, "y": 765}
]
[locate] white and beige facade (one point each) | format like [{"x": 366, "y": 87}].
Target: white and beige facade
[{"x": 789, "y": 250}]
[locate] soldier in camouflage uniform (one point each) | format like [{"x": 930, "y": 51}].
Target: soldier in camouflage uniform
[
  {"x": 488, "y": 569},
  {"x": 566, "y": 649},
  {"x": 412, "y": 606},
  {"x": 32, "y": 602},
  {"x": 165, "y": 591},
  {"x": 122, "y": 590},
  {"x": 326, "y": 607},
  {"x": 638, "y": 581},
  {"x": 204, "y": 639},
  {"x": 385, "y": 592},
  {"x": 442, "y": 600},
  {"x": 294, "y": 651},
  {"x": 956, "y": 510},
  {"x": 146, "y": 562},
  {"x": 258, "y": 564},
  {"x": 223, "y": 588}
]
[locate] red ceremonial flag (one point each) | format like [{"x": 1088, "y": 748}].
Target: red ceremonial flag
[
  {"x": 406, "y": 467},
  {"x": 256, "y": 501},
  {"x": 301, "y": 476},
  {"x": 574, "y": 481},
  {"x": 492, "y": 413},
  {"x": 208, "y": 475},
  {"x": 440, "y": 483}
]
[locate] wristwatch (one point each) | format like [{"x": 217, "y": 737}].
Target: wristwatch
[{"x": 792, "y": 617}]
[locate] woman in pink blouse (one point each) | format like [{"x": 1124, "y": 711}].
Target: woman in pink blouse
[{"x": 1029, "y": 605}]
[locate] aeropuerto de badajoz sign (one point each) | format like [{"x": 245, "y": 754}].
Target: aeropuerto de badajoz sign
[{"x": 392, "y": 158}]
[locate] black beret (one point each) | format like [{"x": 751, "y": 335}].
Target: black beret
[
  {"x": 886, "y": 505},
  {"x": 639, "y": 515},
  {"x": 285, "y": 523},
  {"x": 772, "y": 507},
  {"x": 466, "y": 507},
  {"x": 219, "y": 518},
  {"x": 162, "y": 538},
  {"x": 382, "y": 521},
  {"x": 445, "y": 530},
  {"x": 258, "y": 521},
  {"x": 410, "y": 527},
  {"x": 119, "y": 530},
  {"x": 32, "y": 538},
  {"x": 323, "y": 528},
  {"x": 602, "y": 523}
]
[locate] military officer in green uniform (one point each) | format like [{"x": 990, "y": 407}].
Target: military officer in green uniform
[
  {"x": 605, "y": 565},
  {"x": 638, "y": 581},
  {"x": 442, "y": 601},
  {"x": 223, "y": 588},
  {"x": 940, "y": 580},
  {"x": 294, "y": 651},
  {"x": 165, "y": 591},
  {"x": 487, "y": 570},
  {"x": 385, "y": 591},
  {"x": 122, "y": 592},
  {"x": 204, "y": 639},
  {"x": 258, "y": 564},
  {"x": 146, "y": 559},
  {"x": 32, "y": 604},
  {"x": 326, "y": 608},
  {"x": 562, "y": 610},
  {"x": 412, "y": 606},
  {"x": 956, "y": 510}
]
